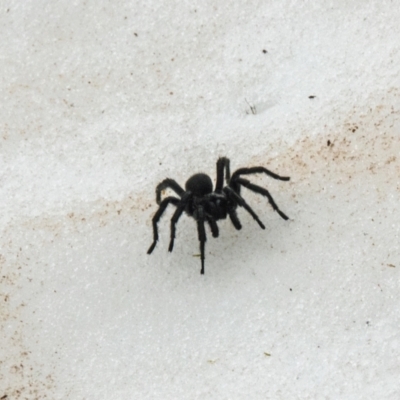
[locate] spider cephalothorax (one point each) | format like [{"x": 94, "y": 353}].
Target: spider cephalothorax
[{"x": 204, "y": 204}]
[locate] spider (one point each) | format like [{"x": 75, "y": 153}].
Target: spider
[{"x": 204, "y": 204}]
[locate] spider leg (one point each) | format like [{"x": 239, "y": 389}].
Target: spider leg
[
  {"x": 157, "y": 216},
  {"x": 222, "y": 163},
  {"x": 168, "y": 183},
  {"x": 241, "y": 202},
  {"x": 175, "y": 218},
  {"x": 235, "y": 219},
  {"x": 256, "y": 170},
  {"x": 202, "y": 236},
  {"x": 264, "y": 192},
  {"x": 213, "y": 227}
]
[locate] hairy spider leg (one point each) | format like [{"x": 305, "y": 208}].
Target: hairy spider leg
[
  {"x": 213, "y": 227},
  {"x": 222, "y": 163},
  {"x": 257, "y": 170},
  {"x": 165, "y": 184},
  {"x": 202, "y": 235},
  {"x": 175, "y": 218},
  {"x": 241, "y": 202},
  {"x": 235, "y": 219},
  {"x": 157, "y": 216},
  {"x": 262, "y": 191}
]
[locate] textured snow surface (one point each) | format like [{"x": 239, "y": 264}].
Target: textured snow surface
[{"x": 102, "y": 100}]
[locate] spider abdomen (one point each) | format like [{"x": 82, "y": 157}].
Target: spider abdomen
[{"x": 199, "y": 184}]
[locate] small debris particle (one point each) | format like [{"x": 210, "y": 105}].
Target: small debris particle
[
  {"x": 252, "y": 108},
  {"x": 391, "y": 266},
  {"x": 312, "y": 97},
  {"x": 267, "y": 354},
  {"x": 3, "y": 397},
  {"x": 291, "y": 289},
  {"x": 328, "y": 143},
  {"x": 265, "y": 51},
  {"x": 135, "y": 34}
]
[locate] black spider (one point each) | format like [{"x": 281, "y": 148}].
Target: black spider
[{"x": 205, "y": 205}]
